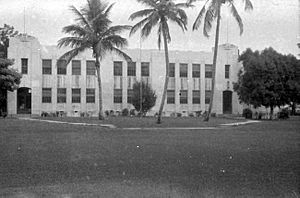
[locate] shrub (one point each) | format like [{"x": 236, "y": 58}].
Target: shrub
[
  {"x": 247, "y": 113},
  {"x": 44, "y": 114},
  {"x": 191, "y": 115},
  {"x": 125, "y": 112},
  {"x": 198, "y": 113},
  {"x": 111, "y": 113},
  {"x": 213, "y": 115},
  {"x": 132, "y": 112},
  {"x": 283, "y": 114},
  {"x": 106, "y": 113},
  {"x": 179, "y": 114}
]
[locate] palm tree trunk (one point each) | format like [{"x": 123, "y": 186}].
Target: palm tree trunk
[
  {"x": 214, "y": 64},
  {"x": 166, "y": 78},
  {"x": 100, "y": 114}
]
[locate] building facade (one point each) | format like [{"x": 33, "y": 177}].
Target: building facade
[{"x": 50, "y": 86}]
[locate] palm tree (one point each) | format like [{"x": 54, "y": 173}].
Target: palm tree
[
  {"x": 159, "y": 12},
  {"x": 93, "y": 31},
  {"x": 211, "y": 13}
]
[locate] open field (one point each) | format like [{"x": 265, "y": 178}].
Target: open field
[{"x": 40, "y": 159}]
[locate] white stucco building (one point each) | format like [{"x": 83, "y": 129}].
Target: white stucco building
[{"x": 46, "y": 87}]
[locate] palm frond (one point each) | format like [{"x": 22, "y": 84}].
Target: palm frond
[
  {"x": 138, "y": 26},
  {"x": 116, "y": 29},
  {"x": 248, "y": 5},
  {"x": 150, "y": 3},
  {"x": 182, "y": 16},
  {"x": 141, "y": 13},
  {"x": 71, "y": 42},
  {"x": 121, "y": 53},
  {"x": 108, "y": 9},
  {"x": 184, "y": 5},
  {"x": 209, "y": 18},
  {"x": 115, "y": 40},
  {"x": 237, "y": 17},
  {"x": 80, "y": 17},
  {"x": 197, "y": 22},
  {"x": 152, "y": 21},
  {"x": 181, "y": 23},
  {"x": 75, "y": 30},
  {"x": 68, "y": 56}
]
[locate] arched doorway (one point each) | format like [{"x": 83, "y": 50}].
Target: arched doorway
[
  {"x": 227, "y": 102},
  {"x": 24, "y": 100}
]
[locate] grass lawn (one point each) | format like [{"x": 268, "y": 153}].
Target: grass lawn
[{"x": 40, "y": 159}]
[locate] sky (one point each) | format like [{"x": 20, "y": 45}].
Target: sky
[{"x": 272, "y": 23}]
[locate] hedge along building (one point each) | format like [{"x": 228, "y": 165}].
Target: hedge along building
[{"x": 49, "y": 86}]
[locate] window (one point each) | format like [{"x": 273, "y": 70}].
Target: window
[
  {"x": 76, "y": 95},
  {"x": 117, "y": 95},
  {"x": 183, "y": 96},
  {"x": 227, "y": 71},
  {"x": 129, "y": 95},
  {"x": 183, "y": 70},
  {"x": 62, "y": 67},
  {"x": 90, "y": 68},
  {"x": 207, "y": 96},
  {"x": 208, "y": 71},
  {"x": 90, "y": 95},
  {"x": 61, "y": 95},
  {"x": 145, "y": 68},
  {"x": 196, "y": 96},
  {"x": 196, "y": 71},
  {"x": 24, "y": 65},
  {"x": 76, "y": 67},
  {"x": 170, "y": 96},
  {"x": 171, "y": 69},
  {"x": 47, "y": 66},
  {"x": 46, "y": 95},
  {"x": 131, "y": 69},
  {"x": 117, "y": 68}
]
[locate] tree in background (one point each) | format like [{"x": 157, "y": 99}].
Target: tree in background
[
  {"x": 210, "y": 14},
  {"x": 148, "y": 97},
  {"x": 94, "y": 31},
  {"x": 268, "y": 79},
  {"x": 160, "y": 12},
  {"x": 9, "y": 77}
]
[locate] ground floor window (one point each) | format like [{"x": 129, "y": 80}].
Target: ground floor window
[
  {"x": 196, "y": 96},
  {"x": 183, "y": 96},
  {"x": 207, "y": 96},
  {"x": 170, "y": 96},
  {"x": 117, "y": 95},
  {"x": 61, "y": 95},
  {"x": 129, "y": 95},
  {"x": 76, "y": 95},
  {"x": 46, "y": 95},
  {"x": 90, "y": 95}
]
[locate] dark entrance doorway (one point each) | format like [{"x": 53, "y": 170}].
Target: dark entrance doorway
[
  {"x": 227, "y": 102},
  {"x": 24, "y": 100}
]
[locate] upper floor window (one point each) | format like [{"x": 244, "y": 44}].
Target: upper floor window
[
  {"x": 129, "y": 95},
  {"x": 47, "y": 66},
  {"x": 131, "y": 69},
  {"x": 118, "y": 68},
  {"x": 76, "y": 67},
  {"x": 208, "y": 70},
  {"x": 183, "y": 70},
  {"x": 207, "y": 96},
  {"x": 196, "y": 96},
  {"x": 196, "y": 71},
  {"x": 145, "y": 68},
  {"x": 62, "y": 67},
  {"x": 171, "y": 69},
  {"x": 24, "y": 65},
  {"x": 227, "y": 71},
  {"x": 90, "y": 67}
]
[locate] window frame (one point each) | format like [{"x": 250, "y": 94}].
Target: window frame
[
  {"x": 24, "y": 65},
  {"x": 207, "y": 96},
  {"x": 172, "y": 70},
  {"x": 90, "y": 68},
  {"x": 61, "y": 67},
  {"x": 76, "y": 97},
  {"x": 46, "y": 97},
  {"x": 196, "y": 100},
  {"x": 183, "y": 70},
  {"x": 227, "y": 71},
  {"x": 118, "y": 99},
  {"x": 208, "y": 73},
  {"x": 171, "y": 98},
  {"x": 196, "y": 72},
  {"x": 183, "y": 100},
  {"x": 61, "y": 97},
  {"x": 45, "y": 67},
  {"x": 76, "y": 69},
  {"x": 145, "y": 69},
  {"x": 118, "y": 68}
]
